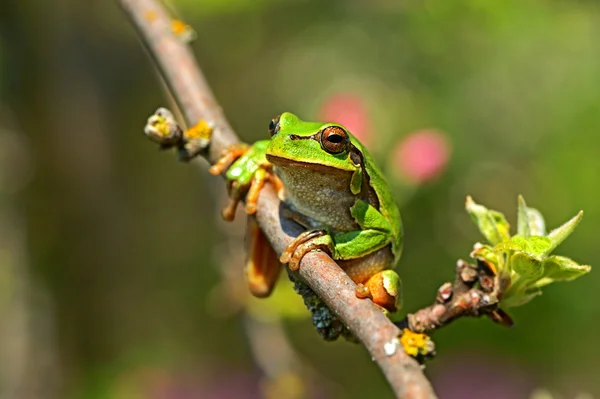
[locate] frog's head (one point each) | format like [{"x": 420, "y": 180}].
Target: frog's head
[{"x": 294, "y": 141}]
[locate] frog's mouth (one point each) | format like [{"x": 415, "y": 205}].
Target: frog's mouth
[{"x": 290, "y": 163}]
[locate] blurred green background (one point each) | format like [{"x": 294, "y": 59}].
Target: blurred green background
[{"x": 111, "y": 250}]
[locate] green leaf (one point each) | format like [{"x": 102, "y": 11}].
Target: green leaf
[
  {"x": 530, "y": 221},
  {"x": 533, "y": 246},
  {"x": 527, "y": 266},
  {"x": 544, "y": 281},
  {"x": 537, "y": 225},
  {"x": 523, "y": 261},
  {"x": 559, "y": 234},
  {"x": 560, "y": 268},
  {"x": 520, "y": 298},
  {"x": 522, "y": 219},
  {"x": 491, "y": 224},
  {"x": 484, "y": 252},
  {"x": 501, "y": 225}
]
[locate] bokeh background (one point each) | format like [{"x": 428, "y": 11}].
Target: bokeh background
[{"x": 117, "y": 278}]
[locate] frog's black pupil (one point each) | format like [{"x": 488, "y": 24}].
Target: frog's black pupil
[
  {"x": 272, "y": 125},
  {"x": 335, "y": 138}
]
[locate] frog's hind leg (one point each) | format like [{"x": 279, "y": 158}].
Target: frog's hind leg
[
  {"x": 262, "y": 264},
  {"x": 375, "y": 280}
]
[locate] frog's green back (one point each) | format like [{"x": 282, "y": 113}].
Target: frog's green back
[{"x": 388, "y": 207}]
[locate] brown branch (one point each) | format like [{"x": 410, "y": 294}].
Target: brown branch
[{"x": 332, "y": 284}]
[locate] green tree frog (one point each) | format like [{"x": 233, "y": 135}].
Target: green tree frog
[{"x": 331, "y": 186}]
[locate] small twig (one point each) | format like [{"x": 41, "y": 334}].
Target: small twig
[
  {"x": 476, "y": 291},
  {"x": 325, "y": 277}
]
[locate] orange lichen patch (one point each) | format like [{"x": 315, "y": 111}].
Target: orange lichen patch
[
  {"x": 182, "y": 30},
  {"x": 151, "y": 16},
  {"x": 200, "y": 131},
  {"x": 416, "y": 344},
  {"x": 178, "y": 26}
]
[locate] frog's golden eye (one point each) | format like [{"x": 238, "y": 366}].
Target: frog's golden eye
[
  {"x": 274, "y": 125},
  {"x": 334, "y": 139}
]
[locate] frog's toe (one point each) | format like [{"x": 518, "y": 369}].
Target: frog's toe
[
  {"x": 288, "y": 252},
  {"x": 261, "y": 176},
  {"x": 228, "y": 212},
  {"x": 235, "y": 196},
  {"x": 308, "y": 241},
  {"x": 228, "y": 156}
]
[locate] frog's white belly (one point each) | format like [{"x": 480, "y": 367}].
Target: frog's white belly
[{"x": 320, "y": 194}]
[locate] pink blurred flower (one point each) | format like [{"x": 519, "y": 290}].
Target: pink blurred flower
[
  {"x": 350, "y": 110},
  {"x": 422, "y": 156}
]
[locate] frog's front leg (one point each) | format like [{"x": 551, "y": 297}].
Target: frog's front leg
[
  {"x": 247, "y": 171},
  {"x": 236, "y": 188}
]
